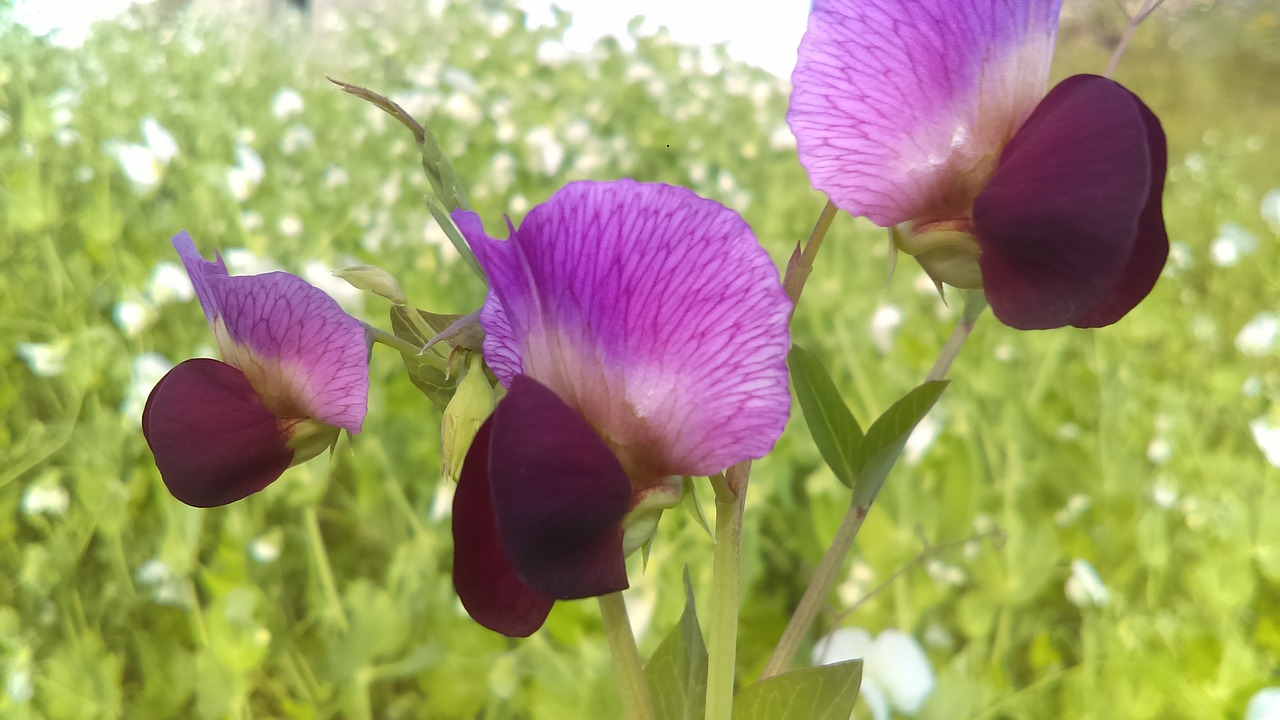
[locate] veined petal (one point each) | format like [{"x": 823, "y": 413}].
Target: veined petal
[
  {"x": 1059, "y": 222},
  {"x": 559, "y": 495},
  {"x": 301, "y": 352},
  {"x": 900, "y": 108},
  {"x": 213, "y": 439},
  {"x": 489, "y": 588},
  {"x": 653, "y": 313}
]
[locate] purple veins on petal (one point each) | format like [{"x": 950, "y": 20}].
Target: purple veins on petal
[
  {"x": 653, "y": 313},
  {"x": 213, "y": 439},
  {"x": 900, "y": 108},
  {"x": 1069, "y": 225}
]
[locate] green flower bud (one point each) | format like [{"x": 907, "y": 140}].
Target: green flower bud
[
  {"x": 471, "y": 405},
  {"x": 641, "y": 522},
  {"x": 373, "y": 279},
  {"x": 946, "y": 249}
]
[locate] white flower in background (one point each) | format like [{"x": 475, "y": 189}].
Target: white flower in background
[
  {"x": 885, "y": 322},
  {"x": 286, "y": 103},
  {"x": 1075, "y": 506},
  {"x": 291, "y": 226},
  {"x": 442, "y": 502},
  {"x": 923, "y": 437},
  {"x": 1252, "y": 386},
  {"x": 641, "y": 600},
  {"x": 17, "y": 684},
  {"x": 156, "y": 576},
  {"x": 244, "y": 262},
  {"x": 266, "y": 548},
  {"x": 1159, "y": 451},
  {"x": 66, "y": 137},
  {"x": 133, "y": 316},
  {"x": 1260, "y": 336},
  {"x": 168, "y": 283},
  {"x": 1084, "y": 587},
  {"x": 1232, "y": 245},
  {"x": 945, "y": 573},
  {"x": 84, "y": 173},
  {"x": 45, "y": 359},
  {"x": 320, "y": 274},
  {"x": 1181, "y": 259},
  {"x": 138, "y": 163},
  {"x": 297, "y": 137},
  {"x": 6, "y": 122},
  {"x": 147, "y": 370},
  {"x": 1264, "y": 705},
  {"x": 251, "y": 220},
  {"x": 896, "y": 673},
  {"x": 1270, "y": 208},
  {"x": 245, "y": 176},
  {"x": 1068, "y": 431},
  {"x": 336, "y": 177},
  {"x": 462, "y": 108},
  {"x": 548, "y": 151},
  {"x": 46, "y": 495},
  {"x": 1267, "y": 436},
  {"x": 159, "y": 140},
  {"x": 1163, "y": 494}
]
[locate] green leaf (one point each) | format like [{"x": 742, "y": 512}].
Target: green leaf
[
  {"x": 887, "y": 436},
  {"x": 677, "y": 672},
  {"x": 427, "y": 371},
  {"x": 827, "y": 692},
  {"x": 834, "y": 429}
]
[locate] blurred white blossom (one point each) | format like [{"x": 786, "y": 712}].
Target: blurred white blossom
[
  {"x": 139, "y": 164},
  {"x": 159, "y": 140},
  {"x": 320, "y": 274},
  {"x": 896, "y": 672},
  {"x": 169, "y": 282},
  {"x": 1264, "y": 705},
  {"x": 336, "y": 177},
  {"x": 45, "y": 359},
  {"x": 547, "y": 151},
  {"x": 46, "y": 496},
  {"x": 1267, "y": 436},
  {"x": 885, "y": 322},
  {"x": 922, "y": 438},
  {"x": 286, "y": 103},
  {"x": 291, "y": 226},
  {"x": 147, "y": 370},
  {"x": 297, "y": 137},
  {"x": 1233, "y": 244},
  {"x": 1269, "y": 208},
  {"x": 245, "y": 176},
  {"x": 1163, "y": 494},
  {"x": 133, "y": 316},
  {"x": 240, "y": 261},
  {"x": 1085, "y": 586},
  {"x": 1260, "y": 336}
]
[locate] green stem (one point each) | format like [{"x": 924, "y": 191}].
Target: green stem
[
  {"x": 636, "y": 703},
  {"x": 816, "y": 593},
  {"x": 801, "y": 263},
  {"x": 321, "y": 557},
  {"x": 394, "y": 342},
  {"x": 726, "y": 574}
]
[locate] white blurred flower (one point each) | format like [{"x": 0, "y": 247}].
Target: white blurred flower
[
  {"x": 251, "y": 220},
  {"x": 147, "y": 370},
  {"x": 240, "y": 261},
  {"x": 1267, "y": 436},
  {"x": 159, "y": 140},
  {"x": 1252, "y": 386},
  {"x": 885, "y": 322},
  {"x": 548, "y": 151},
  {"x": 922, "y": 438},
  {"x": 138, "y": 163},
  {"x": 945, "y": 573},
  {"x": 46, "y": 496},
  {"x": 336, "y": 177},
  {"x": 442, "y": 502},
  {"x": 1163, "y": 494},
  {"x": 462, "y": 108},
  {"x": 291, "y": 226},
  {"x": 156, "y": 576},
  {"x": 1269, "y": 208},
  {"x": 5, "y": 123},
  {"x": 1068, "y": 431},
  {"x": 18, "y": 685},
  {"x": 1159, "y": 451},
  {"x": 286, "y": 103},
  {"x": 84, "y": 174},
  {"x": 45, "y": 359},
  {"x": 1181, "y": 259},
  {"x": 245, "y": 176},
  {"x": 297, "y": 137},
  {"x": 168, "y": 283},
  {"x": 1085, "y": 587},
  {"x": 266, "y": 548},
  {"x": 896, "y": 672},
  {"x": 1260, "y": 336},
  {"x": 321, "y": 275},
  {"x": 133, "y": 316},
  {"x": 1264, "y": 705},
  {"x": 1233, "y": 244},
  {"x": 1075, "y": 506}
]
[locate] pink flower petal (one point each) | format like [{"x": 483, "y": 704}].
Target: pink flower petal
[
  {"x": 302, "y": 353},
  {"x": 653, "y": 313},
  {"x": 900, "y": 108},
  {"x": 213, "y": 439}
]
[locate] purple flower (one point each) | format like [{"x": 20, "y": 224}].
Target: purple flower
[
  {"x": 931, "y": 117},
  {"x": 641, "y": 333},
  {"x": 295, "y": 371}
]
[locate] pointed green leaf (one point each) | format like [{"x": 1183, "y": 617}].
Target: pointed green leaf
[
  {"x": 834, "y": 429},
  {"x": 887, "y": 436},
  {"x": 827, "y": 692},
  {"x": 677, "y": 672},
  {"x": 427, "y": 371}
]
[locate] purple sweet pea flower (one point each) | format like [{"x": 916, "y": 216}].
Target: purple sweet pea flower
[
  {"x": 295, "y": 372},
  {"x": 641, "y": 333},
  {"x": 931, "y": 118}
]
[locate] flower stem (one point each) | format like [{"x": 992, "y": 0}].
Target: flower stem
[
  {"x": 1148, "y": 7},
  {"x": 394, "y": 342},
  {"x": 636, "y": 703},
  {"x": 801, "y": 263},
  {"x": 722, "y": 649},
  {"x": 833, "y": 559},
  {"x": 321, "y": 557}
]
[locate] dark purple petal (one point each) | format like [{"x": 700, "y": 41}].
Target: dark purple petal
[
  {"x": 1059, "y": 220},
  {"x": 654, "y": 313},
  {"x": 1151, "y": 248},
  {"x": 559, "y": 495},
  {"x": 213, "y": 439},
  {"x": 487, "y": 585},
  {"x": 304, "y": 355},
  {"x": 900, "y": 108}
]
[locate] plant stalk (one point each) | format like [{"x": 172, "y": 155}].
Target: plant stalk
[
  {"x": 726, "y": 581},
  {"x": 636, "y": 702}
]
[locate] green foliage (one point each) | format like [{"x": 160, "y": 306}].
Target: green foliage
[
  {"x": 677, "y": 670},
  {"x": 826, "y": 692},
  {"x": 835, "y": 431},
  {"x": 329, "y": 594}
]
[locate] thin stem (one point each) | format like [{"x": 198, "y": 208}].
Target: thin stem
[
  {"x": 801, "y": 263},
  {"x": 1148, "y": 7},
  {"x": 394, "y": 342},
  {"x": 951, "y": 349},
  {"x": 330, "y": 588},
  {"x": 636, "y": 703},
  {"x": 722, "y": 649},
  {"x": 814, "y": 595}
]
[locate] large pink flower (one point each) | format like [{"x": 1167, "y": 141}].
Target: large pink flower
[
  {"x": 931, "y": 117},
  {"x": 294, "y": 372},
  {"x": 641, "y": 333}
]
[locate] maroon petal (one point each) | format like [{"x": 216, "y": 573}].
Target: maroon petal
[
  {"x": 1151, "y": 248},
  {"x": 212, "y": 438},
  {"x": 1059, "y": 221},
  {"x": 559, "y": 494},
  {"x": 486, "y": 583}
]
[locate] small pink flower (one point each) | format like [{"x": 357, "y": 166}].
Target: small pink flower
[
  {"x": 294, "y": 372},
  {"x": 931, "y": 117}
]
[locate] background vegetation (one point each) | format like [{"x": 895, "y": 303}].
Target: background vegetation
[{"x": 1140, "y": 449}]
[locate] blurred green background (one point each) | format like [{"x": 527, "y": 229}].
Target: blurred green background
[{"x": 1140, "y": 449}]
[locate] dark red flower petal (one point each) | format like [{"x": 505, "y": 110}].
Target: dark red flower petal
[
  {"x": 559, "y": 494},
  {"x": 212, "y": 438},
  {"x": 1059, "y": 221},
  {"x": 486, "y": 583}
]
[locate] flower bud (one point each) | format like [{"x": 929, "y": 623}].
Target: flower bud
[
  {"x": 641, "y": 522},
  {"x": 308, "y": 438},
  {"x": 946, "y": 249},
  {"x": 373, "y": 279},
  {"x": 471, "y": 405}
]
